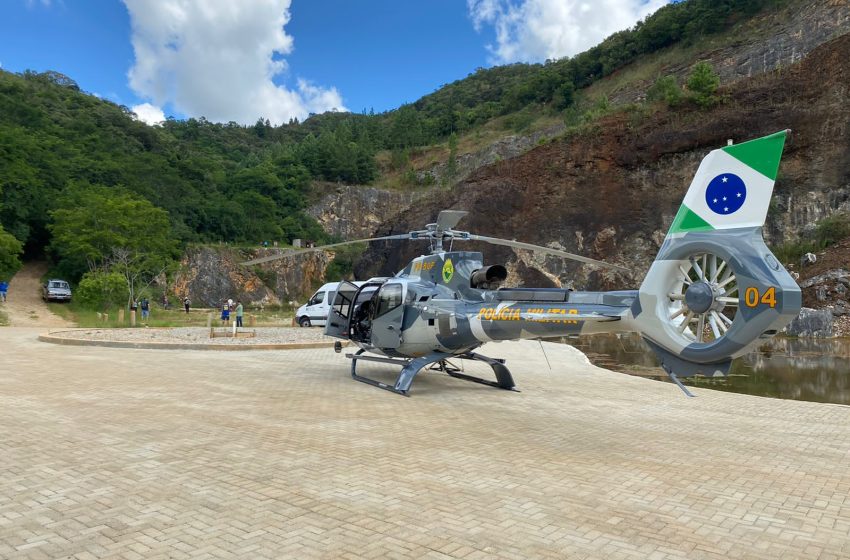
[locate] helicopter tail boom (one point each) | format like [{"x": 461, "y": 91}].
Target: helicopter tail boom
[{"x": 715, "y": 288}]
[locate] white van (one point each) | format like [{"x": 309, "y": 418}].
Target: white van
[{"x": 314, "y": 313}]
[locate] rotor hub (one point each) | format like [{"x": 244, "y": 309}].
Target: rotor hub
[{"x": 699, "y": 297}]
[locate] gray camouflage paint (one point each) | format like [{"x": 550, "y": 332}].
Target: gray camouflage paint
[{"x": 444, "y": 314}]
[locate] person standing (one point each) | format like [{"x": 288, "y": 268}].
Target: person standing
[
  {"x": 225, "y": 313},
  {"x": 239, "y": 313},
  {"x": 4, "y": 287},
  {"x": 146, "y": 308},
  {"x": 186, "y": 304}
]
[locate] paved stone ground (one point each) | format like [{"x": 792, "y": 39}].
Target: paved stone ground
[{"x": 155, "y": 454}]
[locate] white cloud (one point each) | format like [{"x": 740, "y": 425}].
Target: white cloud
[
  {"x": 148, "y": 113},
  {"x": 537, "y": 30},
  {"x": 218, "y": 58}
]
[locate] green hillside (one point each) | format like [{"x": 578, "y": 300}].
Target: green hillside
[{"x": 246, "y": 184}]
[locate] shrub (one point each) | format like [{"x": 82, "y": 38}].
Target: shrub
[
  {"x": 667, "y": 90},
  {"x": 103, "y": 290}
]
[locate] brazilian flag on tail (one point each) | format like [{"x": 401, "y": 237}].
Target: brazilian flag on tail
[{"x": 732, "y": 187}]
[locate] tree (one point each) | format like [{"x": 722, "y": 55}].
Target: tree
[
  {"x": 702, "y": 84},
  {"x": 451, "y": 166},
  {"x": 10, "y": 251},
  {"x": 98, "y": 228}
]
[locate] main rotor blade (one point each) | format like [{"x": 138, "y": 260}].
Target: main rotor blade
[
  {"x": 448, "y": 219},
  {"x": 286, "y": 254},
  {"x": 541, "y": 249}
]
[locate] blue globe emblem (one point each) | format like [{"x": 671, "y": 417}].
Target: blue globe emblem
[{"x": 726, "y": 194}]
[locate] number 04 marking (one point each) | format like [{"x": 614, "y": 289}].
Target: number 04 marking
[{"x": 752, "y": 297}]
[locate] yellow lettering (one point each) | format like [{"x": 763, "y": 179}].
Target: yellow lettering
[
  {"x": 769, "y": 297},
  {"x": 752, "y": 297}
]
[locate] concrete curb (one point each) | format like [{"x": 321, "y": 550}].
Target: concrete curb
[{"x": 50, "y": 338}]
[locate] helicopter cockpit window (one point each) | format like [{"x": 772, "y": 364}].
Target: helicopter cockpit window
[
  {"x": 342, "y": 304},
  {"x": 389, "y": 298}
]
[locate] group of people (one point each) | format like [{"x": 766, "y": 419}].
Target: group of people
[
  {"x": 235, "y": 307},
  {"x": 144, "y": 305}
]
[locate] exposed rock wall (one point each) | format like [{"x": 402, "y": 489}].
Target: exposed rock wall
[
  {"x": 765, "y": 44},
  {"x": 355, "y": 212},
  {"x": 211, "y": 275}
]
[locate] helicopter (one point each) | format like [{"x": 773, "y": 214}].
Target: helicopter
[{"x": 712, "y": 292}]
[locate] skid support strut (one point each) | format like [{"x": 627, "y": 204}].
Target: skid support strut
[{"x": 410, "y": 367}]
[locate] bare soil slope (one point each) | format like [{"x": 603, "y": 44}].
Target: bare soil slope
[{"x": 24, "y": 306}]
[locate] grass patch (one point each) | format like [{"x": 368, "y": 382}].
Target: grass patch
[
  {"x": 270, "y": 316},
  {"x": 4, "y": 319}
]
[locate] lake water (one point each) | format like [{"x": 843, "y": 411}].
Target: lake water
[{"x": 787, "y": 368}]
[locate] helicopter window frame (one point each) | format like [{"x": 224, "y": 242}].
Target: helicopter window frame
[{"x": 390, "y": 296}]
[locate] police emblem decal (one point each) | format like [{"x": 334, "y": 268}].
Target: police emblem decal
[{"x": 448, "y": 271}]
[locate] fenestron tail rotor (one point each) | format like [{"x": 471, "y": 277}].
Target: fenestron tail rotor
[{"x": 438, "y": 233}]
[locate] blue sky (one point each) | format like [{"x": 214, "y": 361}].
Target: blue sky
[{"x": 230, "y": 60}]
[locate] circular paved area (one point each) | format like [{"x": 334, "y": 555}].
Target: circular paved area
[
  {"x": 147, "y": 454},
  {"x": 197, "y": 338}
]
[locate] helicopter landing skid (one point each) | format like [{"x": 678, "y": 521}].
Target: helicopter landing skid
[
  {"x": 504, "y": 380},
  {"x": 410, "y": 367}
]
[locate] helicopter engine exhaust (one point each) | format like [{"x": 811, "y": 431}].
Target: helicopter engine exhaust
[{"x": 489, "y": 277}]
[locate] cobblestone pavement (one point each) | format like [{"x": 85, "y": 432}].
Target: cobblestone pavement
[{"x": 155, "y": 454}]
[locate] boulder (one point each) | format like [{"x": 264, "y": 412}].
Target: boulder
[{"x": 811, "y": 322}]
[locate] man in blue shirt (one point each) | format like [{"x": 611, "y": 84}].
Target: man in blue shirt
[{"x": 4, "y": 287}]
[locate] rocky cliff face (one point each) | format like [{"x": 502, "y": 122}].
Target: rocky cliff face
[
  {"x": 353, "y": 212},
  {"x": 211, "y": 275},
  {"x": 766, "y": 44},
  {"x": 611, "y": 192}
]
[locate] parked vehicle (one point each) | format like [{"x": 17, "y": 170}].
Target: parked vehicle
[
  {"x": 56, "y": 290},
  {"x": 314, "y": 313}
]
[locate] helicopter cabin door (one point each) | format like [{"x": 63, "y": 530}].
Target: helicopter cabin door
[
  {"x": 389, "y": 312},
  {"x": 340, "y": 311}
]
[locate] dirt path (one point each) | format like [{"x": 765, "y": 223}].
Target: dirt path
[{"x": 24, "y": 306}]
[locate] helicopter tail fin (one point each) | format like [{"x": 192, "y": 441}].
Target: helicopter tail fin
[{"x": 715, "y": 288}]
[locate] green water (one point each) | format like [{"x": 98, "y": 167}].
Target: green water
[{"x": 787, "y": 368}]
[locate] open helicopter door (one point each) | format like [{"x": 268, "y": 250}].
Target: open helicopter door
[
  {"x": 340, "y": 311},
  {"x": 386, "y": 324}
]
